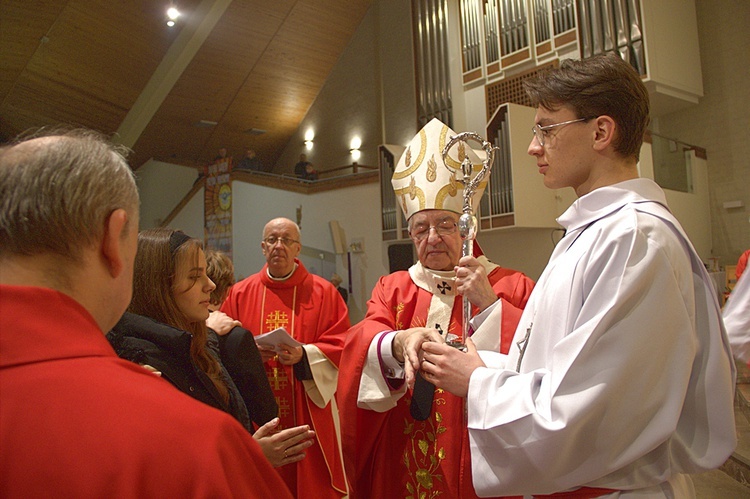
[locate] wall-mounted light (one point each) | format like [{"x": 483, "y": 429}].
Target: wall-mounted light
[
  {"x": 354, "y": 146},
  {"x": 309, "y": 136},
  {"x": 172, "y": 15}
]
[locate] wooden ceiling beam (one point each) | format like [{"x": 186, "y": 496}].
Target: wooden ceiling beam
[{"x": 177, "y": 58}]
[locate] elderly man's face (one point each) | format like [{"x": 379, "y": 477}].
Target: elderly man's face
[
  {"x": 435, "y": 234},
  {"x": 280, "y": 246}
]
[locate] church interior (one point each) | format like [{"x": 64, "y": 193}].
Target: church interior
[{"x": 348, "y": 83}]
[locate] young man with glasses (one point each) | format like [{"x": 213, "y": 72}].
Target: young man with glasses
[
  {"x": 303, "y": 378},
  {"x": 399, "y": 442},
  {"x": 620, "y": 380}
]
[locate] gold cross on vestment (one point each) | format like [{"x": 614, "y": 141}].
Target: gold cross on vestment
[
  {"x": 277, "y": 378},
  {"x": 276, "y": 319},
  {"x": 284, "y": 407}
]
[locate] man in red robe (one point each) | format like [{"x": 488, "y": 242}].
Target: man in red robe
[
  {"x": 392, "y": 449},
  {"x": 303, "y": 378},
  {"x": 75, "y": 419}
]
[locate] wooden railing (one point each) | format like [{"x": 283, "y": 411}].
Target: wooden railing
[{"x": 335, "y": 178}]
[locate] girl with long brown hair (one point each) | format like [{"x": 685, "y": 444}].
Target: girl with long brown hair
[{"x": 165, "y": 330}]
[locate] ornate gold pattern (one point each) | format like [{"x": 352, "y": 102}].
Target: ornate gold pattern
[
  {"x": 431, "y": 169},
  {"x": 424, "y": 453},
  {"x": 277, "y": 319},
  {"x": 417, "y": 162},
  {"x": 461, "y": 151},
  {"x": 399, "y": 311},
  {"x": 413, "y": 192},
  {"x": 285, "y": 408},
  {"x": 451, "y": 163},
  {"x": 277, "y": 377}
]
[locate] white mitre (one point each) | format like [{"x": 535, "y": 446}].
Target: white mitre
[{"x": 423, "y": 181}]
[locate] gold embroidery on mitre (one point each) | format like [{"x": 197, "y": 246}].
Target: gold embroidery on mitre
[
  {"x": 398, "y": 175},
  {"x": 451, "y": 163},
  {"x": 448, "y": 190},
  {"x": 431, "y": 169},
  {"x": 413, "y": 192},
  {"x": 461, "y": 151}
]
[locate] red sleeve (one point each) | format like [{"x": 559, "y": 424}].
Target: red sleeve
[
  {"x": 239, "y": 468},
  {"x": 741, "y": 264},
  {"x": 333, "y": 320},
  {"x": 393, "y": 298},
  {"x": 513, "y": 288}
]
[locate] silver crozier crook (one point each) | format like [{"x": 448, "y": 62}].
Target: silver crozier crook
[{"x": 467, "y": 223}]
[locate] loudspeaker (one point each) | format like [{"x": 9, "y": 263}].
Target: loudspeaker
[
  {"x": 400, "y": 256},
  {"x": 339, "y": 237}
]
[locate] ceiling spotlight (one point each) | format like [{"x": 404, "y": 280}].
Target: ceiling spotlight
[
  {"x": 309, "y": 136},
  {"x": 172, "y": 15}
]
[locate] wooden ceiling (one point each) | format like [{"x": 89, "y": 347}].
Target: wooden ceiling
[{"x": 116, "y": 67}]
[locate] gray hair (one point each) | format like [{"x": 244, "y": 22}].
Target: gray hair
[{"x": 57, "y": 188}]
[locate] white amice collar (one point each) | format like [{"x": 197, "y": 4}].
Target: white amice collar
[
  {"x": 437, "y": 282},
  {"x": 283, "y": 278}
]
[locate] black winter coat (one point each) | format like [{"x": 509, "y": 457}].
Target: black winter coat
[{"x": 145, "y": 341}]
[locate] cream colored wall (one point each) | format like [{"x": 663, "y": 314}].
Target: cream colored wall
[
  {"x": 720, "y": 123},
  {"x": 162, "y": 186},
  {"x": 356, "y": 209}
]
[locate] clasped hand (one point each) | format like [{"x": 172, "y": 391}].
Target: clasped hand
[
  {"x": 442, "y": 365},
  {"x": 289, "y": 355},
  {"x": 473, "y": 284}
]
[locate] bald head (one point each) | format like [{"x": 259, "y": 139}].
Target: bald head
[{"x": 281, "y": 245}]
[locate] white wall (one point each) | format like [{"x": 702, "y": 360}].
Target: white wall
[
  {"x": 162, "y": 186},
  {"x": 721, "y": 121},
  {"x": 357, "y": 209}
]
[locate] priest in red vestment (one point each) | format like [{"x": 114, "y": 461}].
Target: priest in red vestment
[
  {"x": 303, "y": 378},
  {"x": 75, "y": 419},
  {"x": 392, "y": 448}
]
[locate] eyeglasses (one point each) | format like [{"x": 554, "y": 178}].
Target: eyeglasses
[
  {"x": 540, "y": 132},
  {"x": 422, "y": 230},
  {"x": 272, "y": 240}
]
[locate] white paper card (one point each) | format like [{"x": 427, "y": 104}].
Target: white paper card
[{"x": 275, "y": 339}]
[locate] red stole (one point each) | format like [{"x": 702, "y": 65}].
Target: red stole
[
  {"x": 434, "y": 454},
  {"x": 277, "y": 310},
  {"x": 294, "y": 305},
  {"x": 389, "y": 454}
]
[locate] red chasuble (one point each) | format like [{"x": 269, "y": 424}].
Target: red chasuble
[
  {"x": 390, "y": 454},
  {"x": 313, "y": 312},
  {"x": 78, "y": 421}
]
